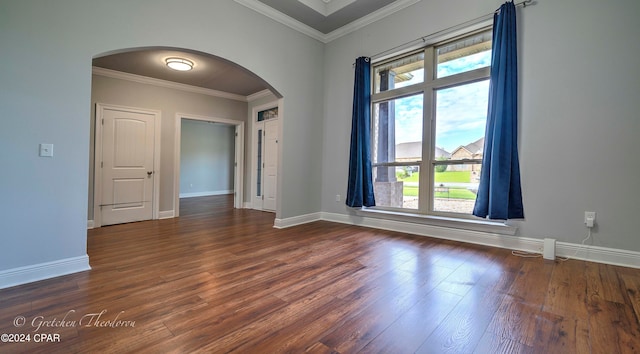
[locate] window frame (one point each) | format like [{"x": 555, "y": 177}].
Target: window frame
[{"x": 428, "y": 88}]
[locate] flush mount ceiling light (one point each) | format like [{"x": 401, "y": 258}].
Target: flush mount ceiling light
[{"x": 179, "y": 64}]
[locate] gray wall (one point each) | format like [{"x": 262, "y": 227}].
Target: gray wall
[
  {"x": 169, "y": 101},
  {"x": 579, "y": 123},
  {"x": 207, "y": 154},
  {"x": 579, "y": 107},
  {"x": 45, "y": 97}
]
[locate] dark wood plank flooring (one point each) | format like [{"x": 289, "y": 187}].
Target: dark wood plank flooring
[{"x": 220, "y": 280}]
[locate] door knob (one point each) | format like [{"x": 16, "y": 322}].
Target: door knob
[{"x": 149, "y": 173}]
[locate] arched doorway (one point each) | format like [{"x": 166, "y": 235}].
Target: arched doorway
[{"x": 139, "y": 79}]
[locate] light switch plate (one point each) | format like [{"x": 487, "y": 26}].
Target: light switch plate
[{"x": 46, "y": 150}]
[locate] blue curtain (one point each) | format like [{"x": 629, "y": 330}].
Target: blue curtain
[
  {"x": 499, "y": 192},
  {"x": 360, "y": 187}
]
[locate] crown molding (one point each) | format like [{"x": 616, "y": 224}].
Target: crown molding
[
  {"x": 283, "y": 19},
  {"x": 317, "y": 35},
  {"x": 369, "y": 19},
  {"x": 326, "y": 7},
  {"x": 259, "y": 95},
  {"x": 168, "y": 84}
]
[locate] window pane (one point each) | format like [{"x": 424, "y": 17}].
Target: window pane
[
  {"x": 399, "y": 73},
  {"x": 397, "y": 137},
  {"x": 466, "y": 54},
  {"x": 401, "y": 191},
  {"x": 461, "y": 116},
  {"x": 259, "y": 166},
  {"x": 455, "y": 187},
  {"x": 397, "y": 130}
]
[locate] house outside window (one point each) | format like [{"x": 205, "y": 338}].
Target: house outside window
[{"x": 429, "y": 111}]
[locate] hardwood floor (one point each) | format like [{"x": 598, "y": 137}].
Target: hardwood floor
[{"x": 220, "y": 280}]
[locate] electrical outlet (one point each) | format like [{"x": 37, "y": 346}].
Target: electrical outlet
[
  {"x": 589, "y": 215},
  {"x": 337, "y": 197},
  {"x": 589, "y": 218}
]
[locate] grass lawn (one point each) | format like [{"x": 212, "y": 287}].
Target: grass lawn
[
  {"x": 454, "y": 193},
  {"x": 457, "y": 193},
  {"x": 442, "y": 177},
  {"x": 410, "y": 191},
  {"x": 453, "y": 176},
  {"x": 415, "y": 177}
]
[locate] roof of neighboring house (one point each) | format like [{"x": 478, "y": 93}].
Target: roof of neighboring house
[
  {"x": 476, "y": 147},
  {"x": 442, "y": 153},
  {"x": 413, "y": 150}
]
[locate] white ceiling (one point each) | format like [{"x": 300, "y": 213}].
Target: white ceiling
[
  {"x": 326, "y": 20},
  {"x": 326, "y": 7}
]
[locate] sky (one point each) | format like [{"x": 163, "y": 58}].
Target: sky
[{"x": 461, "y": 111}]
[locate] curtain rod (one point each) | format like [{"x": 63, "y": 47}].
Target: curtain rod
[{"x": 472, "y": 22}]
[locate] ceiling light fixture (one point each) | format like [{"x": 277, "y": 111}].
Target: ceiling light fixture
[{"x": 179, "y": 64}]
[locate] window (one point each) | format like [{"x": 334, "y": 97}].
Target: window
[{"x": 429, "y": 111}]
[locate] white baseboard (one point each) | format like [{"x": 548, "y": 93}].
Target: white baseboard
[
  {"x": 598, "y": 254},
  {"x": 167, "y": 214},
  {"x": 563, "y": 249},
  {"x": 248, "y": 205},
  {"x": 476, "y": 237},
  {"x": 90, "y": 224},
  {"x": 297, "y": 220},
  {"x": 41, "y": 271},
  {"x": 205, "y": 194}
]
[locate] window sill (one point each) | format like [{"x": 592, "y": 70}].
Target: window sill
[{"x": 440, "y": 221}]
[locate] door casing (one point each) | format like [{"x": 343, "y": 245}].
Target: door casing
[
  {"x": 238, "y": 183},
  {"x": 255, "y": 202}
]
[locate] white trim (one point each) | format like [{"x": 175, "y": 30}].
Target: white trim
[
  {"x": 256, "y": 203},
  {"x": 369, "y": 19},
  {"x": 260, "y": 94},
  {"x": 248, "y": 205},
  {"x": 239, "y": 157},
  {"x": 41, "y": 271},
  {"x": 97, "y": 177},
  {"x": 441, "y": 221},
  {"x": 447, "y": 233},
  {"x": 297, "y": 220},
  {"x": 564, "y": 249},
  {"x": 239, "y": 167},
  {"x": 280, "y": 185},
  {"x": 90, "y": 224},
  {"x": 315, "y": 34},
  {"x": 326, "y": 7},
  {"x": 596, "y": 254},
  {"x": 283, "y": 19},
  {"x": 205, "y": 194},
  {"x": 169, "y": 84},
  {"x": 167, "y": 214}
]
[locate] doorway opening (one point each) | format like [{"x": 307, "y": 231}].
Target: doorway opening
[
  {"x": 205, "y": 171},
  {"x": 139, "y": 77}
]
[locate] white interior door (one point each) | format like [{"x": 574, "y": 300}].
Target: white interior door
[
  {"x": 258, "y": 166},
  {"x": 270, "y": 164},
  {"x": 127, "y": 166},
  {"x": 236, "y": 154}
]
